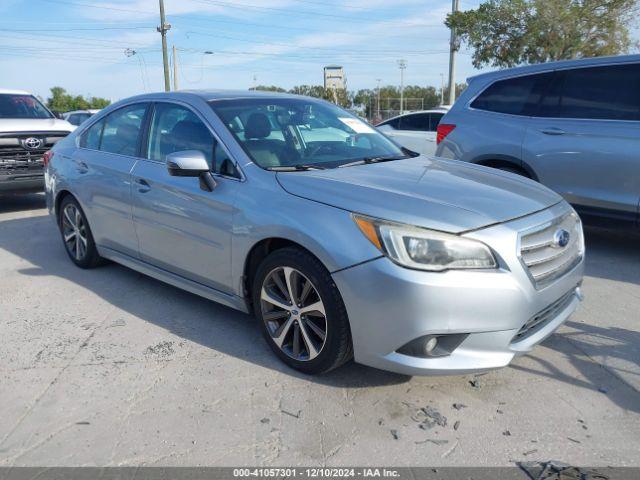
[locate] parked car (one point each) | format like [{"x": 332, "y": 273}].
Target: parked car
[
  {"x": 27, "y": 130},
  {"x": 76, "y": 117},
  {"x": 341, "y": 248},
  {"x": 416, "y": 130},
  {"x": 574, "y": 126}
]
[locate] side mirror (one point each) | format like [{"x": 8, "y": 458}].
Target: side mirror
[{"x": 191, "y": 163}]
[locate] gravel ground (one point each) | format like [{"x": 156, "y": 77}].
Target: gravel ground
[{"x": 109, "y": 367}]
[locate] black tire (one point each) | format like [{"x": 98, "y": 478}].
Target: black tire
[
  {"x": 89, "y": 257},
  {"x": 337, "y": 348}
]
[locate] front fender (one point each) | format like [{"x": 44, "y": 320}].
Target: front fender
[{"x": 327, "y": 232}]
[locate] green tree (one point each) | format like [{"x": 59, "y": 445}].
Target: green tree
[
  {"x": 505, "y": 33},
  {"x": 268, "y": 88},
  {"x": 339, "y": 96},
  {"x": 61, "y": 101}
]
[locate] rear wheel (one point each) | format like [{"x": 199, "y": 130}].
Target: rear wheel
[
  {"x": 76, "y": 234},
  {"x": 301, "y": 312}
]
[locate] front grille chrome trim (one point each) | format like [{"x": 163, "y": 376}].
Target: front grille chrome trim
[{"x": 545, "y": 262}]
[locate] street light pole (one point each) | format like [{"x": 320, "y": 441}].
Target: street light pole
[
  {"x": 163, "y": 28},
  {"x": 402, "y": 64},
  {"x": 452, "y": 57}
]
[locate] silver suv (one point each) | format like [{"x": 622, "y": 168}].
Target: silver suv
[
  {"x": 573, "y": 126},
  {"x": 27, "y": 130}
]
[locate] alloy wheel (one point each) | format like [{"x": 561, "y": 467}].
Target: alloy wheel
[
  {"x": 74, "y": 232},
  {"x": 293, "y": 313}
]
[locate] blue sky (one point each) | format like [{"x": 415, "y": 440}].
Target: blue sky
[{"x": 80, "y": 44}]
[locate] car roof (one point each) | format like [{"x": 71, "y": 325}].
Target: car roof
[
  {"x": 14, "y": 92},
  {"x": 559, "y": 65},
  {"x": 89, "y": 110},
  {"x": 210, "y": 95}
]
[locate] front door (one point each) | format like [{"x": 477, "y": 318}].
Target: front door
[{"x": 181, "y": 227}]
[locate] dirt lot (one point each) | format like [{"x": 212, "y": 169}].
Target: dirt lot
[{"x": 109, "y": 367}]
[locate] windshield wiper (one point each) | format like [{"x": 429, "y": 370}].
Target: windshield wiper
[
  {"x": 295, "y": 168},
  {"x": 368, "y": 160}
]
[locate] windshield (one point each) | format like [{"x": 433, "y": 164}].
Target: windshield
[
  {"x": 302, "y": 133},
  {"x": 22, "y": 106}
]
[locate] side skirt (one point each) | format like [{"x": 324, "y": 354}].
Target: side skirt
[{"x": 196, "y": 288}]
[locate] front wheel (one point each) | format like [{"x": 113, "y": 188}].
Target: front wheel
[{"x": 301, "y": 312}]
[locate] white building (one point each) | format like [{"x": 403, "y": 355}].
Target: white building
[{"x": 334, "y": 77}]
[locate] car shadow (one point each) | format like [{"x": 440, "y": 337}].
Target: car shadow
[
  {"x": 583, "y": 344},
  {"x": 214, "y": 326},
  {"x": 21, "y": 202},
  {"x": 222, "y": 329},
  {"x": 613, "y": 254}
]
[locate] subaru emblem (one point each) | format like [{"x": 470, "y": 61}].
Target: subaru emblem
[{"x": 561, "y": 238}]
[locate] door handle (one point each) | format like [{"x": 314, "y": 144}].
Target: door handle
[
  {"x": 143, "y": 185},
  {"x": 553, "y": 131}
]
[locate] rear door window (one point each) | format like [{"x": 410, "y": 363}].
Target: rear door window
[
  {"x": 434, "y": 121},
  {"x": 608, "y": 93},
  {"x": 417, "y": 121},
  {"x": 91, "y": 137},
  {"x": 121, "y": 132},
  {"x": 393, "y": 123},
  {"x": 514, "y": 96}
]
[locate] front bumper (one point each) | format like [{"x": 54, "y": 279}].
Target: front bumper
[
  {"x": 23, "y": 183},
  {"x": 389, "y": 306}
]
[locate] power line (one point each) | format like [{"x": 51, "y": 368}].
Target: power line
[
  {"x": 245, "y": 6},
  {"x": 71, "y": 29},
  {"x": 327, "y": 49}
]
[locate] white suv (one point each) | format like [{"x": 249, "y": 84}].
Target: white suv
[
  {"x": 27, "y": 130},
  {"x": 416, "y": 130}
]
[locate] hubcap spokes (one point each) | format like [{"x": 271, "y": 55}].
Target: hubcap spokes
[
  {"x": 293, "y": 313},
  {"x": 74, "y": 232}
]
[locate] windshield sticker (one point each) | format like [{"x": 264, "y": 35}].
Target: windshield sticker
[{"x": 356, "y": 125}]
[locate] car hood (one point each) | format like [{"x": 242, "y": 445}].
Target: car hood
[
  {"x": 34, "y": 125},
  {"x": 438, "y": 194}
]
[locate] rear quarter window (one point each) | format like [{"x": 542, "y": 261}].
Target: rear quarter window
[{"x": 609, "y": 92}]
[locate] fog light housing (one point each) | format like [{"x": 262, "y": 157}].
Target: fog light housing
[{"x": 432, "y": 346}]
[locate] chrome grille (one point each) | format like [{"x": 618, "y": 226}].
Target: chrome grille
[
  {"x": 15, "y": 159},
  {"x": 540, "y": 319},
  {"x": 544, "y": 257}
]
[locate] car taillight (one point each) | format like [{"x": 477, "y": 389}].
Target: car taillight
[
  {"x": 444, "y": 129},
  {"x": 46, "y": 158}
]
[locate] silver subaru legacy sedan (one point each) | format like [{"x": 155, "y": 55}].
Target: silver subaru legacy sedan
[{"x": 343, "y": 244}]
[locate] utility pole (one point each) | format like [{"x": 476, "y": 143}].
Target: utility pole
[
  {"x": 175, "y": 69},
  {"x": 452, "y": 57},
  {"x": 378, "y": 109},
  {"x": 163, "y": 28},
  {"x": 402, "y": 65},
  {"x": 442, "y": 89}
]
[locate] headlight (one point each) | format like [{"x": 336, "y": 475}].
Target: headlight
[{"x": 423, "y": 249}]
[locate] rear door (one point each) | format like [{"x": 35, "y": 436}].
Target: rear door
[
  {"x": 102, "y": 167},
  {"x": 183, "y": 228},
  {"x": 584, "y": 139},
  {"x": 413, "y": 132}
]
